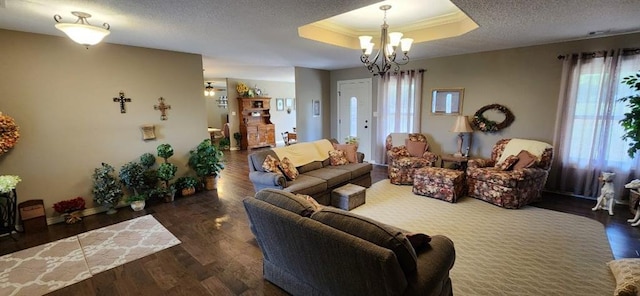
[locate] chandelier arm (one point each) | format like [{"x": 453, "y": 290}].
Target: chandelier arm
[
  {"x": 57, "y": 18},
  {"x": 106, "y": 26}
]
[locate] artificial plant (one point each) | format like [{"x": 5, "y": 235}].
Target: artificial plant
[{"x": 631, "y": 121}]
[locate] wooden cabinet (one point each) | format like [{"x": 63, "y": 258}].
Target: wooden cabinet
[{"x": 255, "y": 123}]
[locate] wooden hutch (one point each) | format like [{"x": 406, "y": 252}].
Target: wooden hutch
[{"x": 255, "y": 123}]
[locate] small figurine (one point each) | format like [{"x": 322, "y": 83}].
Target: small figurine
[
  {"x": 634, "y": 185},
  {"x": 606, "y": 200}
]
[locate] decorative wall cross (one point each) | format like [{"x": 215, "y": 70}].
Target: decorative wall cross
[
  {"x": 121, "y": 99},
  {"x": 163, "y": 108}
]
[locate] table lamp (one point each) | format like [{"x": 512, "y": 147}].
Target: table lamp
[{"x": 461, "y": 126}]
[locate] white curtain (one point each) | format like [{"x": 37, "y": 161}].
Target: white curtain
[
  {"x": 399, "y": 97},
  {"x": 588, "y": 135}
]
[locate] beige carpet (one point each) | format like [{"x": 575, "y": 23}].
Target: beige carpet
[
  {"x": 530, "y": 251},
  {"x": 45, "y": 268}
]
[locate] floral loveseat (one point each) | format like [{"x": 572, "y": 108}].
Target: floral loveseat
[
  {"x": 510, "y": 187},
  {"x": 405, "y": 154}
]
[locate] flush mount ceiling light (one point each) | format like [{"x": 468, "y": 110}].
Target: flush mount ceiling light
[
  {"x": 81, "y": 31},
  {"x": 387, "y": 51}
]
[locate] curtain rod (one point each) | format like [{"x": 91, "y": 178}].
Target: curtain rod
[{"x": 601, "y": 53}]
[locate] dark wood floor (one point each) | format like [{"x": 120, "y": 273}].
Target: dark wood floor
[{"x": 218, "y": 255}]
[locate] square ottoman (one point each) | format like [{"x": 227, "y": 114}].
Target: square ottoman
[
  {"x": 348, "y": 196},
  {"x": 440, "y": 183}
]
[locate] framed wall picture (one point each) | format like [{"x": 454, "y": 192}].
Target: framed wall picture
[
  {"x": 290, "y": 104},
  {"x": 279, "y": 104},
  {"x": 315, "y": 107},
  {"x": 447, "y": 101}
]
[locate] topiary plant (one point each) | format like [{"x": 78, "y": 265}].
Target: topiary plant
[
  {"x": 631, "y": 121},
  {"x": 106, "y": 188},
  {"x": 166, "y": 172}
]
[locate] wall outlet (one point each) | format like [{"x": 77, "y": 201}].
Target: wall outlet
[{"x": 233, "y": 113}]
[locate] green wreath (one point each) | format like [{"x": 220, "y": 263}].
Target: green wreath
[
  {"x": 9, "y": 133},
  {"x": 489, "y": 126}
]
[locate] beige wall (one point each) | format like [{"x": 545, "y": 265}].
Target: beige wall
[
  {"x": 216, "y": 116},
  {"x": 61, "y": 96},
  {"x": 526, "y": 80},
  {"x": 282, "y": 120},
  {"x": 313, "y": 84}
]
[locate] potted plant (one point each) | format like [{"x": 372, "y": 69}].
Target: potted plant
[
  {"x": 70, "y": 209},
  {"x": 224, "y": 143},
  {"x": 137, "y": 201},
  {"x": 238, "y": 137},
  {"x": 631, "y": 121},
  {"x": 187, "y": 185},
  {"x": 166, "y": 172},
  {"x": 150, "y": 175},
  {"x": 133, "y": 178},
  {"x": 206, "y": 161},
  {"x": 106, "y": 188}
]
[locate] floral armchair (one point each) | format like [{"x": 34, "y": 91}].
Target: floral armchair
[
  {"x": 403, "y": 160},
  {"x": 509, "y": 188}
]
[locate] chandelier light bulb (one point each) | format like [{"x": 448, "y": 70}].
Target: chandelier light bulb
[
  {"x": 369, "y": 49},
  {"x": 394, "y": 38},
  {"x": 405, "y": 44},
  {"x": 364, "y": 41}
]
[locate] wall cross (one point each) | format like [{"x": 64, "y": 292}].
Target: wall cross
[
  {"x": 163, "y": 108},
  {"x": 121, "y": 99}
]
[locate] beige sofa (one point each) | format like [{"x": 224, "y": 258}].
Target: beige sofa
[{"x": 317, "y": 176}]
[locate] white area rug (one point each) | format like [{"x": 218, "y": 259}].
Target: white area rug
[
  {"x": 529, "y": 251},
  {"x": 46, "y": 268}
]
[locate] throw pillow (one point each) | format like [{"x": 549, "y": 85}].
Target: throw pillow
[
  {"x": 271, "y": 164},
  {"x": 508, "y": 163},
  {"x": 349, "y": 150},
  {"x": 312, "y": 201},
  {"x": 288, "y": 169},
  {"x": 627, "y": 274},
  {"x": 338, "y": 157},
  {"x": 416, "y": 149},
  {"x": 418, "y": 241},
  {"x": 383, "y": 235},
  {"x": 525, "y": 160},
  {"x": 287, "y": 201}
]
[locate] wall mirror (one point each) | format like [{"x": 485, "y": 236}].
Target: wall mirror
[{"x": 447, "y": 101}]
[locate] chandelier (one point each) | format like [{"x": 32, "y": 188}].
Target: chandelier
[
  {"x": 387, "y": 50},
  {"x": 209, "y": 91},
  {"x": 81, "y": 31}
]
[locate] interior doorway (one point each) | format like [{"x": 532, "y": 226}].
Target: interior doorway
[{"x": 354, "y": 113}]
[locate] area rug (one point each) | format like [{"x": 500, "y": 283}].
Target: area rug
[
  {"x": 46, "y": 268},
  {"x": 529, "y": 251}
]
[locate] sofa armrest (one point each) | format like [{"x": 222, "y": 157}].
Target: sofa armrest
[
  {"x": 434, "y": 265},
  {"x": 268, "y": 179},
  {"x": 480, "y": 163},
  {"x": 431, "y": 157},
  {"x": 359, "y": 157}
]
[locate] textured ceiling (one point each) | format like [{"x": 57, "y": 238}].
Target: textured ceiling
[{"x": 258, "y": 39}]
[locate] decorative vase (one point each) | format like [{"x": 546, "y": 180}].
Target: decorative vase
[
  {"x": 112, "y": 210},
  {"x": 72, "y": 218},
  {"x": 210, "y": 182},
  {"x": 169, "y": 197},
  {"x": 188, "y": 191},
  {"x": 138, "y": 205}
]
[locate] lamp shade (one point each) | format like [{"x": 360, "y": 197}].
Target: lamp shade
[
  {"x": 462, "y": 125},
  {"x": 83, "y": 34}
]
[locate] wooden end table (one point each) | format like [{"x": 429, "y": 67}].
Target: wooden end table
[{"x": 460, "y": 161}]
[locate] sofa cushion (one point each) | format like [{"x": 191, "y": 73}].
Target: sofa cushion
[
  {"x": 383, "y": 235},
  {"x": 256, "y": 159},
  {"x": 338, "y": 157},
  {"x": 525, "y": 160},
  {"x": 355, "y": 169},
  {"x": 333, "y": 177},
  {"x": 314, "y": 165},
  {"x": 350, "y": 151},
  {"x": 416, "y": 149},
  {"x": 288, "y": 169},
  {"x": 271, "y": 164},
  {"x": 508, "y": 163},
  {"x": 306, "y": 185},
  {"x": 287, "y": 201}
]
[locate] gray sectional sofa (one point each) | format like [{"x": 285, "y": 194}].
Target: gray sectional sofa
[
  {"x": 317, "y": 178},
  {"x": 334, "y": 252}
]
